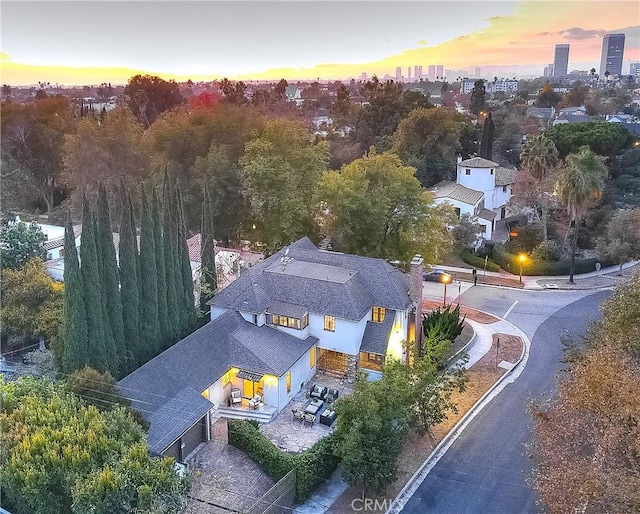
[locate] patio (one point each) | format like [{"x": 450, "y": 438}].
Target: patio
[{"x": 295, "y": 436}]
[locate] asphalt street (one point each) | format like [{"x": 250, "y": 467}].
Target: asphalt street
[{"x": 487, "y": 467}]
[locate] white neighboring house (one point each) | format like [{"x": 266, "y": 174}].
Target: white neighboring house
[
  {"x": 54, "y": 246},
  {"x": 482, "y": 189},
  {"x": 294, "y": 94}
]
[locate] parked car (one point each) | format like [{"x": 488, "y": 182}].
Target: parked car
[{"x": 434, "y": 275}]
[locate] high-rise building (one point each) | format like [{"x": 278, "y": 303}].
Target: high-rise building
[
  {"x": 612, "y": 53},
  {"x": 478, "y": 73},
  {"x": 561, "y": 60},
  {"x": 409, "y": 73},
  {"x": 398, "y": 74},
  {"x": 439, "y": 72},
  {"x": 417, "y": 72},
  {"x": 634, "y": 70},
  {"x": 431, "y": 75}
]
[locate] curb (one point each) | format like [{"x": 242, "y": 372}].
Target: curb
[{"x": 418, "y": 477}]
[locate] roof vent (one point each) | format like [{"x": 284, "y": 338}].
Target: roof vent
[{"x": 285, "y": 259}]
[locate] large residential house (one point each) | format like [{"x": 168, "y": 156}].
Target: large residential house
[
  {"x": 298, "y": 311},
  {"x": 482, "y": 189}
]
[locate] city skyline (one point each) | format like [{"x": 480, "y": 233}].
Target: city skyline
[{"x": 95, "y": 41}]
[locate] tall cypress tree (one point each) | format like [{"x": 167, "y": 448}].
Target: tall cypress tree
[
  {"x": 168, "y": 239},
  {"x": 110, "y": 278},
  {"x": 149, "y": 325},
  {"x": 186, "y": 279},
  {"x": 109, "y": 343},
  {"x": 208, "y": 282},
  {"x": 129, "y": 284},
  {"x": 75, "y": 354},
  {"x": 91, "y": 290},
  {"x": 160, "y": 272}
]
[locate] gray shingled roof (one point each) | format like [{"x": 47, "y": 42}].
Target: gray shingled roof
[
  {"x": 447, "y": 189},
  {"x": 325, "y": 283},
  {"x": 376, "y": 335},
  {"x": 175, "y": 417},
  {"x": 287, "y": 309},
  {"x": 478, "y": 162},
  {"x": 505, "y": 176},
  {"x": 200, "y": 359}
]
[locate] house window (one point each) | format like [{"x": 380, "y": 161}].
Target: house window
[
  {"x": 467, "y": 171},
  {"x": 305, "y": 321},
  {"x": 378, "y": 314},
  {"x": 483, "y": 228},
  {"x": 330, "y": 323},
  {"x": 374, "y": 357},
  {"x": 312, "y": 357},
  {"x": 285, "y": 321},
  {"x": 275, "y": 319},
  {"x": 504, "y": 189},
  {"x": 457, "y": 209},
  {"x": 288, "y": 381},
  {"x": 491, "y": 172},
  {"x": 226, "y": 379}
]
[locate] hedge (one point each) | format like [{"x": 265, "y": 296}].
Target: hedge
[
  {"x": 312, "y": 466},
  {"x": 509, "y": 262},
  {"x": 477, "y": 261}
]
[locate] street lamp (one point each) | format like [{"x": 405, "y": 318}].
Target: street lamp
[
  {"x": 521, "y": 258},
  {"x": 445, "y": 279}
]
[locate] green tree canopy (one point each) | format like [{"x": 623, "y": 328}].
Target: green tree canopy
[
  {"x": 621, "y": 241},
  {"x": 477, "y": 97},
  {"x": 31, "y": 303},
  {"x": 282, "y": 168},
  {"x": 375, "y": 206},
  {"x": 428, "y": 140},
  {"x": 607, "y": 139},
  {"x": 149, "y": 96},
  {"x": 60, "y": 456},
  {"x": 19, "y": 243}
]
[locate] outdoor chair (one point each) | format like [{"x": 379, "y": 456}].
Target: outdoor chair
[
  {"x": 309, "y": 418},
  {"x": 318, "y": 391},
  {"x": 332, "y": 395},
  {"x": 298, "y": 414},
  {"x": 236, "y": 396}
]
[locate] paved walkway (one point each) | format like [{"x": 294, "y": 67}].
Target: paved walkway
[{"x": 606, "y": 277}]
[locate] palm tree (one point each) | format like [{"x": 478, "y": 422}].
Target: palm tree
[
  {"x": 579, "y": 187},
  {"x": 539, "y": 160}
]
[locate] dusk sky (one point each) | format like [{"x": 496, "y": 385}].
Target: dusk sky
[{"x": 85, "y": 42}]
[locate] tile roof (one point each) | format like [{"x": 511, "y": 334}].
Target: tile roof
[
  {"x": 200, "y": 359},
  {"x": 376, "y": 335},
  {"x": 447, "y": 189},
  {"x": 326, "y": 283},
  {"x": 486, "y": 214},
  {"x": 478, "y": 162},
  {"x": 50, "y": 244},
  {"x": 505, "y": 176}
]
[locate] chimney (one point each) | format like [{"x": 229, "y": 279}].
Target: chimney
[
  {"x": 415, "y": 293},
  {"x": 459, "y": 159}
]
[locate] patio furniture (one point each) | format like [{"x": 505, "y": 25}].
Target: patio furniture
[
  {"x": 314, "y": 406},
  {"x": 256, "y": 402},
  {"x": 309, "y": 418},
  {"x": 236, "y": 397},
  {"x": 298, "y": 414},
  {"x": 332, "y": 395},
  {"x": 318, "y": 391},
  {"x": 328, "y": 417}
]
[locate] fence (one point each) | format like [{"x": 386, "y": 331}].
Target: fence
[{"x": 279, "y": 499}]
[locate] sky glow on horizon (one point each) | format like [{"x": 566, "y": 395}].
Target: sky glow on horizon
[{"x": 81, "y": 42}]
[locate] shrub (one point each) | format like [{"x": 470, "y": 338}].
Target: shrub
[
  {"x": 528, "y": 238},
  {"x": 312, "y": 467},
  {"x": 440, "y": 328},
  {"x": 244, "y": 436},
  {"x": 547, "y": 251},
  {"x": 477, "y": 261}
]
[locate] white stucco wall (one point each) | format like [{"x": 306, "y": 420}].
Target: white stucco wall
[
  {"x": 465, "y": 208},
  {"x": 301, "y": 373},
  {"x": 480, "y": 179},
  {"x": 346, "y": 338},
  {"x": 501, "y": 198}
]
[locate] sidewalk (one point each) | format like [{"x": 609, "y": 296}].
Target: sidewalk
[
  {"x": 606, "y": 277},
  {"x": 481, "y": 342}
]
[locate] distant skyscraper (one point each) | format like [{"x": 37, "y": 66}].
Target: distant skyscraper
[
  {"x": 417, "y": 72},
  {"x": 440, "y": 71},
  {"x": 561, "y": 60},
  {"x": 398, "y": 74},
  {"x": 478, "y": 73},
  {"x": 409, "y": 73},
  {"x": 612, "y": 53},
  {"x": 431, "y": 75},
  {"x": 634, "y": 70},
  {"x": 363, "y": 76}
]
